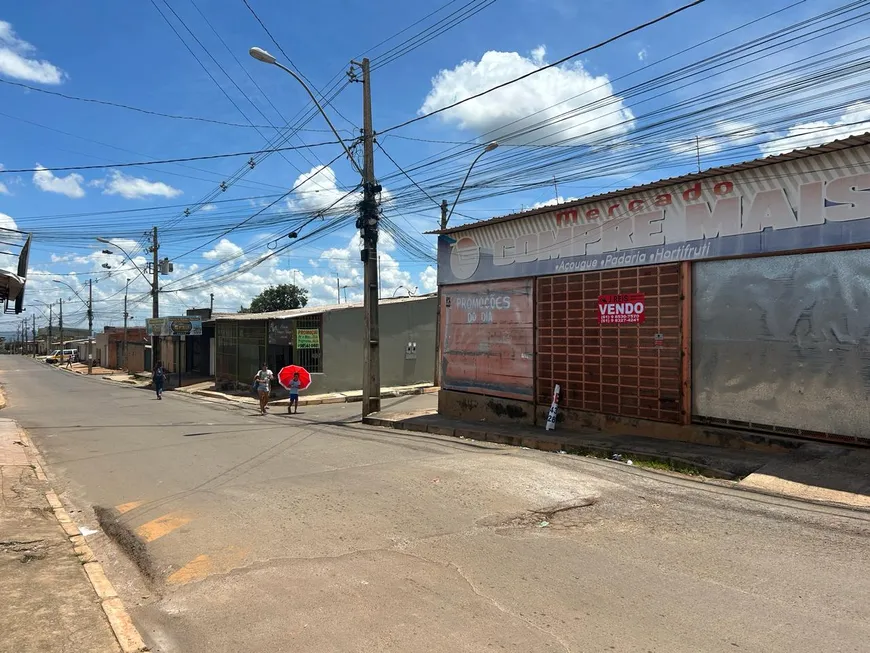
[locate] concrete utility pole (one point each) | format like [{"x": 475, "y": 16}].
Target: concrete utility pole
[
  {"x": 48, "y": 346},
  {"x": 60, "y": 326},
  {"x": 337, "y": 290},
  {"x": 367, "y": 224},
  {"x": 155, "y": 301},
  {"x": 369, "y": 216},
  {"x": 33, "y": 330},
  {"x": 90, "y": 326},
  {"x": 211, "y": 303},
  {"x": 126, "y": 315},
  {"x": 437, "y": 376}
]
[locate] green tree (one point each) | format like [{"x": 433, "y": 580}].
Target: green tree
[{"x": 278, "y": 298}]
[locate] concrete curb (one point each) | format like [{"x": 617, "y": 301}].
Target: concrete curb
[
  {"x": 543, "y": 444},
  {"x": 125, "y": 632}
]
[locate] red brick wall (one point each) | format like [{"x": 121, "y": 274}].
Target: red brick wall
[{"x": 612, "y": 369}]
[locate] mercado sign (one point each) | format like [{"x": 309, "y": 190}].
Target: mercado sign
[
  {"x": 814, "y": 202},
  {"x": 174, "y": 326},
  {"x": 307, "y": 338}
]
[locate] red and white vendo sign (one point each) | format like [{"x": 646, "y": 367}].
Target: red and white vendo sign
[{"x": 621, "y": 309}]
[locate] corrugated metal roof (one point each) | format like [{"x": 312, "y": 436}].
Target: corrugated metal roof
[
  {"x": 310, "y": 310},
  {"x": 833, "y": 146}
]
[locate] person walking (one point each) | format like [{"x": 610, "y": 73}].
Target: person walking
[
  {"x": 295, "y": 384},
  {"x": 263, "y": 380},
  {"x": 158, "y": 375}
]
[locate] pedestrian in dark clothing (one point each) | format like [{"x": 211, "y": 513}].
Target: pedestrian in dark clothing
[{"x": 158, "y": 375}]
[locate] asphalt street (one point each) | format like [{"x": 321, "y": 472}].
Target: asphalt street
[{"x": 315, "y": 533}]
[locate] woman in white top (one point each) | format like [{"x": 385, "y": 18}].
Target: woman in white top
[{"x": 262, "y": 380}]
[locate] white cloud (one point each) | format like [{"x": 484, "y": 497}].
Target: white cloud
[
  {"x": 3, "y": 189},
  {"x": 429, "y": 280},
  {"x": 642, "y": 54},
  {"x": 223, "y": 251},
  {"x": 716, "y": 137},
  {"x": 317, "y": 190},
  {"x": 552, "y": 202},
  {"x": 208, "y": 207},
  {"x": 597, "y": 112},
  {"x": 15, "y": 62},
  {"x": 71, "y": 185},
  {"x": 855, "y": 120},
  {"x": 134, "y": 188},
  {"x": 10, "y": 262}
]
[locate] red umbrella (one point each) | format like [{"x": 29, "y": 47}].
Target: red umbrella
[{"x": 285, "y": 376}]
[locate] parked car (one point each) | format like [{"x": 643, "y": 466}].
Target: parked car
[{"x": 58, "y": 356}]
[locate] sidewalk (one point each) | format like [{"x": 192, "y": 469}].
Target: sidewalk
[
  {"x": 809, "y": 471},
  {"x": 205, "y": 390},
  {"x": 50, "y": 578}
]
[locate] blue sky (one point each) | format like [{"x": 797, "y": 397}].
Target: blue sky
[{"x": 127, "y": 53}]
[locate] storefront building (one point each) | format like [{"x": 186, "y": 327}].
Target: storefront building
[
  {"x": 739, "y": 296},
  {"x": 328, "y": 342}
]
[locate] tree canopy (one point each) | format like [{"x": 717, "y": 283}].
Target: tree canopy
[{"x": 278, "y": 298}]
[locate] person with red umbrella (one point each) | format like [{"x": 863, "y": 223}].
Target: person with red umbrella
[{"x": 294, "y": 378}]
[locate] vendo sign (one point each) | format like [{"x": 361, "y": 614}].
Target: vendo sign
[{"x": 621, "y": 309}]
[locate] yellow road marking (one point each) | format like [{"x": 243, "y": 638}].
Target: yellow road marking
[
  {"x": 161, "y": 526},
  {"x": 127, "y": 507},
  {"x": 205, "y": 565}
]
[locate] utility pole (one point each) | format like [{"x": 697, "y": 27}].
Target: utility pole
[
  {"x": 90, "y": 326},
  {"x": 60, "y": 326},
  {"x": 337, "y": 290},
  {"x": 211, "y": 303},
  {"x": 368, "y": 224},
  {"x": 48, "y": 346},
  {"x": 155, "y": 302},
  {"x": 437, "y": 376},
  {"x": 124, "y": 359},
  {"x": 33, "y": 330}
]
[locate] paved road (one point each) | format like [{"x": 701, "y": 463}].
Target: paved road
[{"x": 314, "y": 533}]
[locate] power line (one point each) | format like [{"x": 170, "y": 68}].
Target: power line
[
  {"x": 150, "y": 112},
  {"x": 134, "y": 164}
]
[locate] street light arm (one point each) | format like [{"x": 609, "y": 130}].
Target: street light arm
[
  {"x": 489, "y": 148},
  {"x": 127, "y": 254},
  {"x": 317, "y": 104},
  {"x": 74, "y": 292}
]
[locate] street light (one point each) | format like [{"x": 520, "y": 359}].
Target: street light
[
  {"x": 261, "y": 55},
  {"x": 90, "y": 306},
  {"x": 406, "y": 289},
  {"x": 445, "y": 218},
  {"x": 489, "y": 148},
  {"x": 367, "y": 224},
  {"x": 106, "y": 241}
]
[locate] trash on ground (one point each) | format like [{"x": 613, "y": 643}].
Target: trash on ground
[
  {"x": 85, "y": 531},
  {"x": 628, "y": 462},
  {"x": 543, "y": 524}
]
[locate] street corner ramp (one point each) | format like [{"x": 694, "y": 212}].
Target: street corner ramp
[
  {"x": 126, "y": 537},
  {"x": 405, "y": 601}
]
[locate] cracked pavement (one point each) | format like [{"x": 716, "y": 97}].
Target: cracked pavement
[{"x": 315, "y": 533}]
